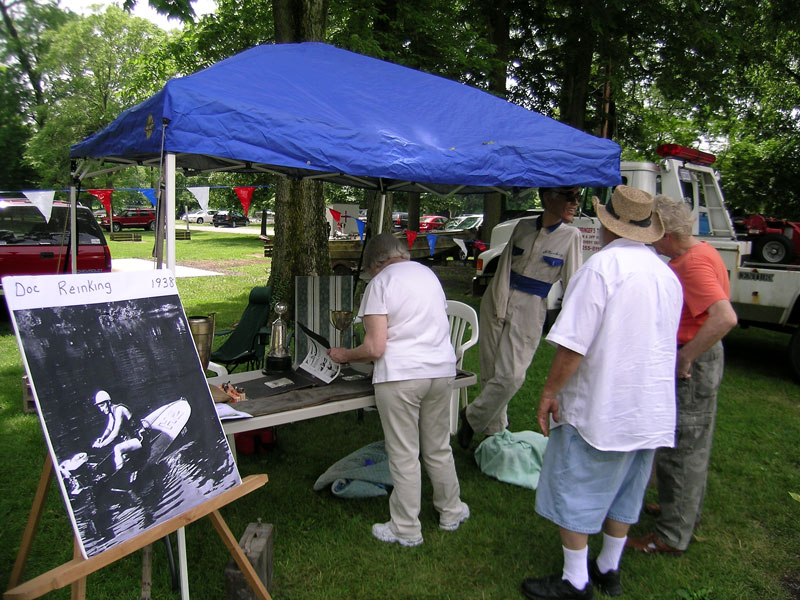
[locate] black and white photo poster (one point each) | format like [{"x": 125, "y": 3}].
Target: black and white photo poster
[{"x": 122, "y": 398}]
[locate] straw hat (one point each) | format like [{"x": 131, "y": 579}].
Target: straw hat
[{"x": 630, "y": 214}]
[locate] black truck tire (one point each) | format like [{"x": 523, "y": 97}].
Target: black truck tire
[{"x": 773, "y": 248}]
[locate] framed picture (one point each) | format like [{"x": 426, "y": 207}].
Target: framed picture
[{"x": 122, "y": 398}]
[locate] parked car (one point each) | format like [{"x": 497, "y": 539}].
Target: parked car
[
  {"x": 259, "y": 214},
  {"x": 29, "y": 245},
  {"x": 464, "y": 222},
  {"x": 400, "y": 220},
  {"x": 432, "y": 222},
  {"x": 230, "y": 218},
  {"x": 199, "y": 216},
  {"x": 131, "y": 217}
]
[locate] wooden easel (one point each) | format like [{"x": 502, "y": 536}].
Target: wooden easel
[{"x": 75, "y": 571}]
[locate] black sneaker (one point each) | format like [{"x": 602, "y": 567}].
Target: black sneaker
[
  {"x": 465, "y": 432},
  {"x": 608, "y": 583},
  {"x": 555, "y": 588}
]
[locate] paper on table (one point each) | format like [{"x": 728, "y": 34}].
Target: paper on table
[
  {"x": 317, "y": 362},
  {"x": 226, "y": 411}
]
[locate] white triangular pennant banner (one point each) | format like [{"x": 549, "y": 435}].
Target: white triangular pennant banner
[
  {"x": 43, "y": 201},
  {"x": 460, "y": 243},
  {"x": 201, "y": 193}
]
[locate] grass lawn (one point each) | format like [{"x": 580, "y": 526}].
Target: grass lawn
[{"x": 748, "y": 546}]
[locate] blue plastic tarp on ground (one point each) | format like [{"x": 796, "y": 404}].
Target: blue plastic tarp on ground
[{"x": 312, "y": 108}]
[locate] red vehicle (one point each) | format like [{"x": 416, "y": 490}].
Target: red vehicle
[
  {"x": 31, "y": 246},
  {"x": 432, "y": 222},
  {"x": 131, "y": 217},
  {"x": 775, "y": 241}
]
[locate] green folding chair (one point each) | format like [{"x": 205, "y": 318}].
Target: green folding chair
[{"x": 246, "y": 343}]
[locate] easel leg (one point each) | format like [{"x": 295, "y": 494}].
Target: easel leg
[
  {"x": 183, "y": 570},
  {"x": 147, "y": 572},
  {"x": 33, "y": 522},
  {"x": 79, "y": 587},
  {"x": 244, "y": 564}
]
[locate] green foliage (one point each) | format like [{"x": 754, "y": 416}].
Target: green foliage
[
  {"x": 89, "y": 75},
  {"x": 180, "y": 9},
  {"x": 14, "y": 134},
  {"x": 435, "y": 36},
  {"x": 236, "y": 25}
]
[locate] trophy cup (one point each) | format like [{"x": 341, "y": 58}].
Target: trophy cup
[
  {"x": 341, "y": 320},
  {"x": 278, "y": 358}
]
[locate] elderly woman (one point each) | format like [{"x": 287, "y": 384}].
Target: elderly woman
[{"x": 407, "y": 337}]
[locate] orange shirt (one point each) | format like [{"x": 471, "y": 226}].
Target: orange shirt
[{"x": 704, "y": 280}]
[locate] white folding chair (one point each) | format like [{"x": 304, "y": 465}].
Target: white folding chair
[{"x": 460, "y": 315}]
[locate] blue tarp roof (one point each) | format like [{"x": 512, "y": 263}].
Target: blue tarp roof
[{"x": 313, "y": 109}]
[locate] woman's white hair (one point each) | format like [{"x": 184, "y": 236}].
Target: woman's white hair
[
  {"x": 675, "y": 215},
  {"x": 384, "y": 247}
]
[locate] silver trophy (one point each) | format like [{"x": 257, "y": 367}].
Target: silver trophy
[
  {"x": 341, "y": 320},
  {"x": 278, "y": 358}
]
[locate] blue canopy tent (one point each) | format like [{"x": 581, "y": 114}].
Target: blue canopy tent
[{"x": 311, "y": 110}]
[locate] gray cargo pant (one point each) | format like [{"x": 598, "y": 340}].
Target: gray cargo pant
[
  {"x": 682, "y": 471},
  {"x": 506, "y": 351}
]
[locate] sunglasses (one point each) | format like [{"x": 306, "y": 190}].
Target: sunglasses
[{"x": 571, "y": 196}]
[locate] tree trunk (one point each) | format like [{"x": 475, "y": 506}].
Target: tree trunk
[
  {"x": 580, "y": 46},
  {"x": 493, "y": 206},
  {"x": 497, "y": 27},
  {"x": 374, "y": 212},
  {"x": 497, "y": 32},
  {"x": 301, "y": 241}
]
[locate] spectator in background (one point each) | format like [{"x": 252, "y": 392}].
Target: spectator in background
[
  {"x": 609, "y": 398},
  {"x": 706, "y": 317},
  {"x": 408, "y": 338},
  {"x": 540, "y": 252}
]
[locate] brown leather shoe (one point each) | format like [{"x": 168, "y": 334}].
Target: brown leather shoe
[
  {"x": 652, "y": 508},
  {"x": 651, "y": 544}
]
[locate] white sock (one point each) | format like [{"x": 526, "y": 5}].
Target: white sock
[
  {"x": 576, "y": 571},
  {"x": 610, "y": 554}
]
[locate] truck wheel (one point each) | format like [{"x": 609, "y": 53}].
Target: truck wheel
[
  {"x": 794, "y": 353},
  {"x": 773, "y": 248},
  {"x": 116, "y": 227}
]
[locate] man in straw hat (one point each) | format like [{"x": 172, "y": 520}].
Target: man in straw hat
[
  {"x": 540, "y": 252},
  {"x": 609, "y": 398},
  {"x": 706, "y": 317}
]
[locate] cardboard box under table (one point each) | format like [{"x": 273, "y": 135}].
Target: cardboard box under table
[{"x": 269, "y": 408}]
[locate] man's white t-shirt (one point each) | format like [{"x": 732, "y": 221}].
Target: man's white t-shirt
[
  {"x": 621, "y": 312},
  {"x": 418, "y": 336}
]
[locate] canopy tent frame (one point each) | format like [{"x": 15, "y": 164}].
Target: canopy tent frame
[{"x": 313, "y": 111}]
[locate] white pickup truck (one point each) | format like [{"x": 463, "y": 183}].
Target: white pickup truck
[{"x": 763, "y": 294}]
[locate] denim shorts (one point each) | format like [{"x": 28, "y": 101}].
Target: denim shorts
[{"x": 580, "y": 485}]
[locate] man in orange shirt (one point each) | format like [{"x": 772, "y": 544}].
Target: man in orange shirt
[{"x": 706, "y": 317}]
